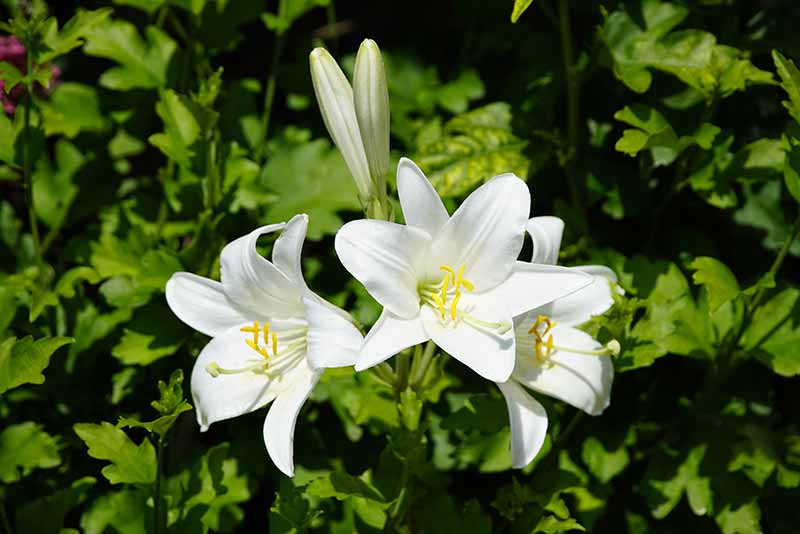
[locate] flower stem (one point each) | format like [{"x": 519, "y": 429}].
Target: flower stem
[
  {"x": 26, "y": 165},
  {"x": 157, "y": 487},
  {"x": 269, "y": 90},
  {"x": 424, "y": 364},
  {"x": 401, "y": 371},
  {"x": 776, "y": 265},
  {"x": 573, "y": 106}
]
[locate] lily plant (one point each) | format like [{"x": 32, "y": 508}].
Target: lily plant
[
  {"x": 269, "y": 334},
  {"x": 554, "y": 357},
  {"x": 451, "y": 279}
]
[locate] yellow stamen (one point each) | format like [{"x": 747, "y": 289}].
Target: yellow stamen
[
  {"x": 255, "y": 329},
  {"x": 275, "y": 344},
  {"x": 445, "y": 285},
  {"x": 453, "y": 306},
  {"x": 257, "y": 348},
  {"x": 438, "y": 300}
]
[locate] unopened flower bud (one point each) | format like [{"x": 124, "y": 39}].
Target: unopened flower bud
[
  {"x": 335, "y": 99},
  {"x": 371, "y": 96}
]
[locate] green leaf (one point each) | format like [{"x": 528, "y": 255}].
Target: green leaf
[
  {"x": 154, "y": 333},
  {"x": 22, "y": 361},
  {"x": 126, "y": 511},
  {"x": 762, "y": 210},
  {"x": 171, "y": 405},
  {"x": 478, "y": 145},
  {"x": 25, "y": 447},
  {"x": 603, "y": 463},
  {"x": 342, "y": 486},
  {"x": 72, "y": 34},
  {"x": 46, "y": 515},
  {"x": 720, "y": 281},
  {"x": 656, "y": 134},
  {"x": 55, "y": 188},
  {"x": 288, "y": 12},
  {"x": 310, "y": 178},
  {"x": 667, "y": 481},
  {"x": 11, "y": 75},
  {"x": 791, "y": 168},
  {"x": 774, "y": 333},
  {"x": 644, "y": 40},
  {"x": 129, "y": 464},
  {"x": 790, "y": 81},
  {"x": 186, "y": 124},
  {"x": 519, "y": 8},
  {"x": 142, "y": 64},
  {"x": 72, "y": 109}
]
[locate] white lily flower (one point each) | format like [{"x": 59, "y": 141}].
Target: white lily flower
[
  {"x": 553, "y": 357},
  {"x": 455, "y": 280},
  {"x": 335, "y": 99},
  {"x": 270, "y": 333}
]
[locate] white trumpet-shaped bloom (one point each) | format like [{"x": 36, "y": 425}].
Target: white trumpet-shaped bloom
[
  {"x": 553, "y": 357},
  {"x": 455, "y": 280},
  {"x": 269, "y": 333}
]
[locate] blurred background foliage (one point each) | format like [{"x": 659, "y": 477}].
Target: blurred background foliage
[{"x": 140, "y": 136}]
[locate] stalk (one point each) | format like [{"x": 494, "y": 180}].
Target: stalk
[
  {"x": 424, "y": 364},
  {"x": 401, "y": 371},
  {"x": 573, "y": 106},
  {"x": 4, "y": 518},
  {"x": 269, "y": 93},
  {"x": 157, "y": 488},
  {"x": 26, "y": 166}
]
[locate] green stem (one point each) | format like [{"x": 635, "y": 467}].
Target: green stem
[
  {"x": 424, "y": 363},
  {"x": 27, "y": 162},
  {"x": 157, "y": 488},
  {"x": 212, "y": 171},
  {"x": 384, "y": 372},
  {"x": 269, "y": 93},
  {"x": 401, "y": 371},
  {"x": 752, "y": 304},
  {"x": 573, "y": 106},
  {"x": 776, "y": 265}
]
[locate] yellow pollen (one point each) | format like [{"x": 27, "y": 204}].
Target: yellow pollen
[
  {"x": 540, "y": 336},
  {"x": 445, "y": 286},
  {"x": 256, "y": 330}
]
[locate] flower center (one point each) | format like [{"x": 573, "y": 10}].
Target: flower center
[
  {"x": 274, "y": 358},
  {"x": 438, "y": 295},
  {"x": 544, "y": 345}
]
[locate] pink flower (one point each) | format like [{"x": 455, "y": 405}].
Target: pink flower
[{"x": 13, "y": 51}]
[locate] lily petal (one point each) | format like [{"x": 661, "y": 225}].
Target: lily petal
[
  {"x": 255, "y": 283},
  {"x": 384, "y": 256},
  {"x": 546, "y": 234},
  {"x": 333, "y": 340},
  {"x": 280, "y": 422},
  {"x": 387, "y": 337},
  {"x": 528, "y": 423},
  {"x": 578, "y": 307},
  {"x": 485, "y": 234},
  {"x": 578, "y": 379},
  {"x": 422, "y": 207},
  {"x": 485, "y": 351},
  {"x": 201, "y": 303},
  {"x": 228, "y": 395},
  {"x": 598, "y": 270},
  {"x": 287, "y": 250},
  {"x": 533, "y": 285}
]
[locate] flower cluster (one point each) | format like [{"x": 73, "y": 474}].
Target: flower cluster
[
  {"x": 452, "y": 280},
  {"x": 13, "y": 51}
]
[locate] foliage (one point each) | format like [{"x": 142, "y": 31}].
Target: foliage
[{"x": 665, "y": 133}]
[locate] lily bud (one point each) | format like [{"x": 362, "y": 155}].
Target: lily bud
[
  {"x": 335, "y": 99},
  {"x": 372, "y": 108}
]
